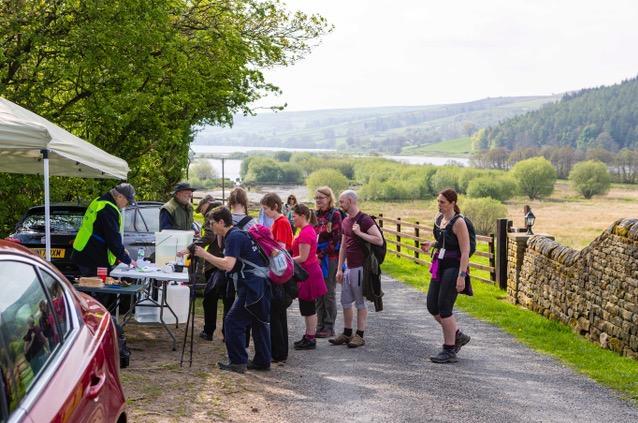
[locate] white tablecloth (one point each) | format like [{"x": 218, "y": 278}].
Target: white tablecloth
[{"x": 123, "y": 271}]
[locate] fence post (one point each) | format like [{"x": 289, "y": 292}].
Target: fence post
[
  {"x": 490, "y": 248},
  {"x": 417, "y": 244},
  {"x": 501, "y": 253},
  {"x": 380, "y": 222},
  {"x": 398, "y": 236}
]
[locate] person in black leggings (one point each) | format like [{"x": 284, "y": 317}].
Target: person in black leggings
[{"x": 450, "y": 262}]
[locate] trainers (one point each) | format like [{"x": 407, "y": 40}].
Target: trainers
[
  {"x": 444, "y": 356},
  {"x": 325, "y": 333},
  {"x": 356, "y": 341},
  {"x": 461, "y": 339},
  {"x": 306, "y": 344},
  {"x": 340, "y": 340},
  {"x": 230, "y": 367},
  {"x": 206, "y": 336},
  {"x": 252, "y": 366},
  {"x": 300, "y": 341}
]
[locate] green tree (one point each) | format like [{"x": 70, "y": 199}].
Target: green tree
[
  {"x": 330, "y": 177},
  {"x": 135, "y": 77},
  {"x": 535, "y": 177},
  {"x": 263, "y": 170},
  {"x": 203, "y": 170},
  {"x": 445, "y": 177},
  {"x": 590, "y": 178}
]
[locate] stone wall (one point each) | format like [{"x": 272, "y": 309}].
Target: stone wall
[{"x": 594, "y": 290}]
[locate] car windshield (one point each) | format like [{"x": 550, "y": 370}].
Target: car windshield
[
  {"x": 142, "y": 219},
  {"x": 61, "y": 221}
]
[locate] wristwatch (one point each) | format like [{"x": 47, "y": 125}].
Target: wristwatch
[{"x": 462, "y": 274}]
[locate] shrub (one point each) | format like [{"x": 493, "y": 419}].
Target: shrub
[
  {"x": 590, "y": 178},
  {"x": 535, "y": 177},
  {"x": 330, "y": 177},
  {"x": 291, "y": 173},
  {"x": 483, "y": 212},
  {"x": 499, "y": 188},
  {"x": 445, "y": 177},
  {"x": 263, "y": 170}
]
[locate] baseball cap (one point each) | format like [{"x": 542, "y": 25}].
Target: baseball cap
[{"x": 127, "y": 191}]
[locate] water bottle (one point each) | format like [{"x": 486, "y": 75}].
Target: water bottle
[{"x": 140, "y": 254}]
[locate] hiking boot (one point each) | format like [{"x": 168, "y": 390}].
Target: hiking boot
[
  {"x": 340, "y": 340},
  {"x": 252, "y": 366},
  {"x": 306, "y": 344},
  {"x": 444, "y": 356},
  {"x": 206, "y": 336},
  {"x": 356, "y": 341},
  {"x": 300, "y": 341},
  {"x": 461, "y": 339},
  {"x": 325, "y": 333},
  {"x": 230, "y": 367}
]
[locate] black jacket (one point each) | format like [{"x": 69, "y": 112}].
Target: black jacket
[{"x": 106, "y": 236}]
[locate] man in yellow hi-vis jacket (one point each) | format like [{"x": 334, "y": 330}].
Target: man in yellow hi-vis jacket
[{"x": 99, "y": 240}]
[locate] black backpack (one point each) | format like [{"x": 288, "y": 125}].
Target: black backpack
[
  {"x": 379, "y": 251},
  {"x": 470, "y": 230}
]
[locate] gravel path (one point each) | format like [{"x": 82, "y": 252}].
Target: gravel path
[{"x": 391, "y": 379}]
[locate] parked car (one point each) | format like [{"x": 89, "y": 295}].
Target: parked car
[
  {"x": 59, "y": 358},
  {"x": 141, "y": 221}
]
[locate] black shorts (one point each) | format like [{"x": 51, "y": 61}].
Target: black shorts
[{"x": 307, "y": 308}]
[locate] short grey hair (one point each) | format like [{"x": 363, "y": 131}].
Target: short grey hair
[{"x": 350, "y": 194}]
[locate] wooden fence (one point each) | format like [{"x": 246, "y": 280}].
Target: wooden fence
[{"x": 407, "y": 238}]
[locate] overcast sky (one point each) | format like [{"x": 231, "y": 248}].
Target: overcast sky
[{"x": 418, "y": 52}]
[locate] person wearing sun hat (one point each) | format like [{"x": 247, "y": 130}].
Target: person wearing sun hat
[{"x": 177, "y": 213}]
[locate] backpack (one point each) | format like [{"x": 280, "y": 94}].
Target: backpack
[
  {"x": 243, "y": 222},
  {"x": 470, "y": 230},
  {"x": 280, "y": 264},
  {"x": 379, "y": 251},
  {"x": 333, "y": 211}
]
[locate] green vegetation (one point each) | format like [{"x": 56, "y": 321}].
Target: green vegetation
[
  {"x": 330, "y": 177},
  {"x": 260, "y": 169},
  {"x": 136, "y": 77},
  {"x": 533, "y": 330},
  {"x": 603, "y": 117},
  {"x": 590, "y": 178},
  {"x": 502, "y": 187},
  {"x": 483, "y": 213},
  {"x": 455, "y": 147},
  {"x": 535, "y": 177}
]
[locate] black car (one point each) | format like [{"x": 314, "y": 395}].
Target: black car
[{"x": 141, "y": 221}]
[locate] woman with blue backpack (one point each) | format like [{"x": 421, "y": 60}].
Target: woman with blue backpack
[{"x": 451, "y": 252}]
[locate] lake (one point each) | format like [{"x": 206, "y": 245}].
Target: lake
[{"x": 232, "y": 166}]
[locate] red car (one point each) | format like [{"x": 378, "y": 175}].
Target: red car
[{"x": 59, "y": 358}]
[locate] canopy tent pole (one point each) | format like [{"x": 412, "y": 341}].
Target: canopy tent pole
[{"x": 47, "y": 205}]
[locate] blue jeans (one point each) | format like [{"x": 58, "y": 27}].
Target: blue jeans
[{"x": 238, "y": 320}]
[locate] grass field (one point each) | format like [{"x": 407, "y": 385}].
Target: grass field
[
  {"x": 547, "y": 336},
  {"x": 455, "y": 147},
  {"x": 574, "y": 221}
]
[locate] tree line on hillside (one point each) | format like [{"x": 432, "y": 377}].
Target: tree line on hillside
[
  {"x": 135, "y": 77},
  {"x": 623, "y": 165},
  {"x": 603, "y": 117}
]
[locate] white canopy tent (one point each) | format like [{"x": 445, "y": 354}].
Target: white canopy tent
[{"x": 30, "y": 144}]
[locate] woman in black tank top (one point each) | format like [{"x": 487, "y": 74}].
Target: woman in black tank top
[{"x": 449, "y": 273}]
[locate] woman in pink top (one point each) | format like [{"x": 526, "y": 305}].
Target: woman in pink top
[{"x": 304, "y": 252}]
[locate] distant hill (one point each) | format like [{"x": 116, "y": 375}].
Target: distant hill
[
  {"x": 381, "y": 129},
  {"x": 605, "y": 117}
]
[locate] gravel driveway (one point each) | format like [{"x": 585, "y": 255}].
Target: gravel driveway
[{"x": 391, "y": 379}]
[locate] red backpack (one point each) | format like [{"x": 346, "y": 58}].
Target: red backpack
[{"x": 280, "y": 264}]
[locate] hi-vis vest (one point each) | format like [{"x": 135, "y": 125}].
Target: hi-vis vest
[{"x": 86, "y": 230}]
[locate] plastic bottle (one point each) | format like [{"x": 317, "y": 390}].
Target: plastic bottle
[{"x": 140, "y": 254}]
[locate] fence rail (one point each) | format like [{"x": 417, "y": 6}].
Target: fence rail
[{"x": 407, "y": 243}]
